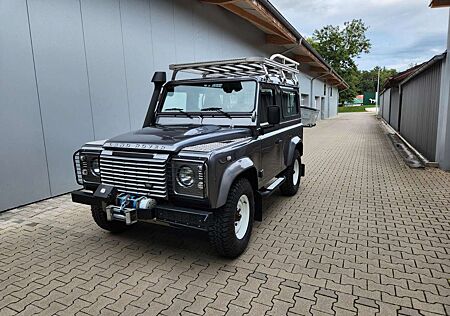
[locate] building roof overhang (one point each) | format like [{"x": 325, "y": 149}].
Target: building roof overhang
[
  {"x": 439, "y": 3},
  {"x": 281, "y": 33}
]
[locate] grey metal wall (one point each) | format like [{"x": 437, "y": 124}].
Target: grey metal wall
[
  {"x": 395, "y": 108},
  {"x": 23, "y": 168},
  {"x": 77, "y": 70},
  {"x": 419, "y": 110},
  {"x": 72, "y": 71},
  {"x": 386, "y": 104}
]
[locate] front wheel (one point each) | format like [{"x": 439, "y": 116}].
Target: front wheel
[
  {"x": 291, "y": 185},
  {"x": 233, "y": 223}
]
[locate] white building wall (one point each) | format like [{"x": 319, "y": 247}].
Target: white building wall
[{"x": 330, "y": 100}]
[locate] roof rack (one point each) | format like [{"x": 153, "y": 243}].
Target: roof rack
[{"x": 277, "y": 67}]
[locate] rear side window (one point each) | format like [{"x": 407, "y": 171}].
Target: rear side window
[
  {"x": 290, "y": 103},
  {"x": 266, "y": 98}
]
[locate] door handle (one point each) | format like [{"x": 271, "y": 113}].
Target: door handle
[{"x": 278, "y": 141}]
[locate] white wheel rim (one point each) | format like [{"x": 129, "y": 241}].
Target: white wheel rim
[
  {"x": 296, "y": 172},
  {"x": 242, "y": 216}
]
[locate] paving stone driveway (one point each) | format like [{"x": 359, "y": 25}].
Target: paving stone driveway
[{"x": 366, "y": 235}]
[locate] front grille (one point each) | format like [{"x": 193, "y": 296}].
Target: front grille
[{"x": 135, "y": 173}]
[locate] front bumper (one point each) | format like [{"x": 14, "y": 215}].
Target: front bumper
[{"x": 168, "y": 214}]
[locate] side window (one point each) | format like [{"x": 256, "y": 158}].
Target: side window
[
  {"x": 266, "y": 98},
  {"x": 290, "y": 103}
]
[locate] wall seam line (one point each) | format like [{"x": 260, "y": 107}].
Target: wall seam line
[
  {"x": 124, "y": 64},
  {"x": 87, "y": 69},
  {"x": 38, "y": 99},
  {"x": 151, "y": 32}
]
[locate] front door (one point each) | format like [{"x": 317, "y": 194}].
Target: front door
[
  {"x": 291, "y": 118},
  {"x": 271, "y": 140}
]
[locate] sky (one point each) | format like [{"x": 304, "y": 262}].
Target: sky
[{"x": 402, "y": 32}]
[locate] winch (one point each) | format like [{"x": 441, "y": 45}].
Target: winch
[{"x": 126, "y": 206}]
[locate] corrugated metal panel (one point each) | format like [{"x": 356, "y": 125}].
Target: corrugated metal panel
[
  {"x": 65, "y": 110},
  {"x": 74, "y": 71},
  {"x": 386, "y": 104},
  {"x": 419, "y": 110},
  {"x": 395, "y": 108},
  {"x": 23, "y": 171}
]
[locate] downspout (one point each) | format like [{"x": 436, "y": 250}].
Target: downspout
[
  {"x": 341, "y": 92},
  {"x": 312, "y": 87},
  {"x": 292, "y": 48}
]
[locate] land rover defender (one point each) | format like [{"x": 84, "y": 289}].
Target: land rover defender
[{"x": 210, "y": 149}]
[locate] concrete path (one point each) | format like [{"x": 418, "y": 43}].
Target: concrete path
[{"x": 366, "y": 235}]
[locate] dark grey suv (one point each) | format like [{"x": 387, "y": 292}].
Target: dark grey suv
[{"x": 210, "y": 150}]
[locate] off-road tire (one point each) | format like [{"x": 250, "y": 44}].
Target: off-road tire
[
  {"x": 288, "y": 188},
  {"x": 100, "y": 219},
  {"x": 222, "y": 233}
]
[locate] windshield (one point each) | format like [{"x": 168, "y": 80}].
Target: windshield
[{"x": 230, "y": 96}]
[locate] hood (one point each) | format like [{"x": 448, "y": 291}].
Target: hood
[{"x": 175, "y": 138}]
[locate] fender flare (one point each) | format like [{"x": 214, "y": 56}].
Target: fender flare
[
  {"x": 292, "y": 146},
  {"x": 230, "y": 174}
]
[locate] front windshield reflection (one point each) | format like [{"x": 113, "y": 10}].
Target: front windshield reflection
[{"x": 229, "y": 97}]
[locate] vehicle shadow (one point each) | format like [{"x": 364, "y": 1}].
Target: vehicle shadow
[
  {"x": 150, "y": 238},
  {"x": 159, "y": 239}
]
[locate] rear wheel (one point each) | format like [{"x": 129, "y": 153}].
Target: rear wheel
[
  {"x": 291, "y": 185},
  {"x": 100, "y": 219},
  {"x": 233, "y": 223}
]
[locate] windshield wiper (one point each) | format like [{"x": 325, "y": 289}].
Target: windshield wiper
[
  {"x": 180, "y": 111},
  {"x": 217, "y": 109}
]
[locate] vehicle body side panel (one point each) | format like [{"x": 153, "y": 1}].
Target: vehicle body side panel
[
  {"x": 231, "y": 172},
  {"x": 289, "y": 153}
]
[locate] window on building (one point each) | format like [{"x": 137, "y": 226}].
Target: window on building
[
  {"x": 290, "y": 103},
  {"x": 304, "y": 100},
  {"x": 331, "y": 91},
  {"x": 324, "y": 89}
]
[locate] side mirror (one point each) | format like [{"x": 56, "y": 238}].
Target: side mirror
[{"x": 273, "y": 114}]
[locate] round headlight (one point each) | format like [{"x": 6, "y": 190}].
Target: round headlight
[
  {"x": 95, "y": 167},
  {"x": 185, "y": 176}
]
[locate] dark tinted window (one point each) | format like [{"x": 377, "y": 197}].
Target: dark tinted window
[
  {"x": 266, "y": 98},
  {"x": 290, "y": 103}
]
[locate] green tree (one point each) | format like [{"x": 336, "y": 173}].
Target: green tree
[
  {"x": 367, "y": 81},
  {"x": 340, "y": 47}
]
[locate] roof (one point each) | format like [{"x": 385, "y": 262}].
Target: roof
[
  {"x": 279, "y": 32},
  {"x": 396, "y": 79},
  {"x": 439, "y": 3},
  {"x": 425, "y": 66},
  {"x": 412, "y": 72}
]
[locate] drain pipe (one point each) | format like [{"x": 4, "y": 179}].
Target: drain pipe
[
  {"x": 292, "y": 48},
  {"x": 312, "y": 87}
]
